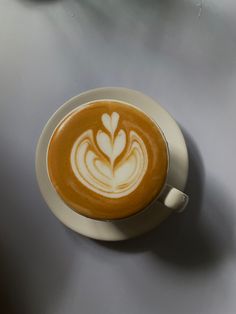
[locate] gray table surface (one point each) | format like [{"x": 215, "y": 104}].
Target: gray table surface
[{"x": 182, "y": 53}]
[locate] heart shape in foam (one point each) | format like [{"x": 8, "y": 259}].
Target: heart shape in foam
[
  {"x": 110, "y": 122},
  {"x": 93, "y": 159},
  {"x": 111, "y": 148}
]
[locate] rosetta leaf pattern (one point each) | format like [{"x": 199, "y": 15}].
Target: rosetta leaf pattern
[{"x": 98, "y": 171}]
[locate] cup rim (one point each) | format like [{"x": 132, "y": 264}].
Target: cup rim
[{"x": 87, "y": 104}]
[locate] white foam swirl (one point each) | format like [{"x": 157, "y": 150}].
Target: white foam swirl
[{"x": 93, "y": 159}]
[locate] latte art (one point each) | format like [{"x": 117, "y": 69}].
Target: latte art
[{"x": 95, "y": 159}]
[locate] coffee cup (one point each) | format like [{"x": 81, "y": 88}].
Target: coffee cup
[{"x": 109, "y": 160}]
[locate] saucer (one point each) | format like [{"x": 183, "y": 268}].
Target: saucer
[{"x": 134, "y": 225}]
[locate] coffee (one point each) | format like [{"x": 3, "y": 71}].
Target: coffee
[{"x": 107, "y": 160}]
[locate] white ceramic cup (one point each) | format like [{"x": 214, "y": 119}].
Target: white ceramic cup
[{"x": 169, "y": 196}]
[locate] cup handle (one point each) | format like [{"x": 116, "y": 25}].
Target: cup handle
[{"x": 174, "y": 199}]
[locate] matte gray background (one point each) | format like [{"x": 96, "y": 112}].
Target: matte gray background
[{"x": 182, "y": 53}]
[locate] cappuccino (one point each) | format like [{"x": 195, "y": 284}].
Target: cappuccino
[{"x": 107, "y": 160}]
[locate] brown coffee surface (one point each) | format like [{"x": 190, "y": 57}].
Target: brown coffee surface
[{"x": 107, "y": 160}]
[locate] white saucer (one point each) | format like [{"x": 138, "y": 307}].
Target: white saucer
[{"x": 133, "y": 226}]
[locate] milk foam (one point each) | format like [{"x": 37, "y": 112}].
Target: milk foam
[{"x": 93, "y": 159}]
